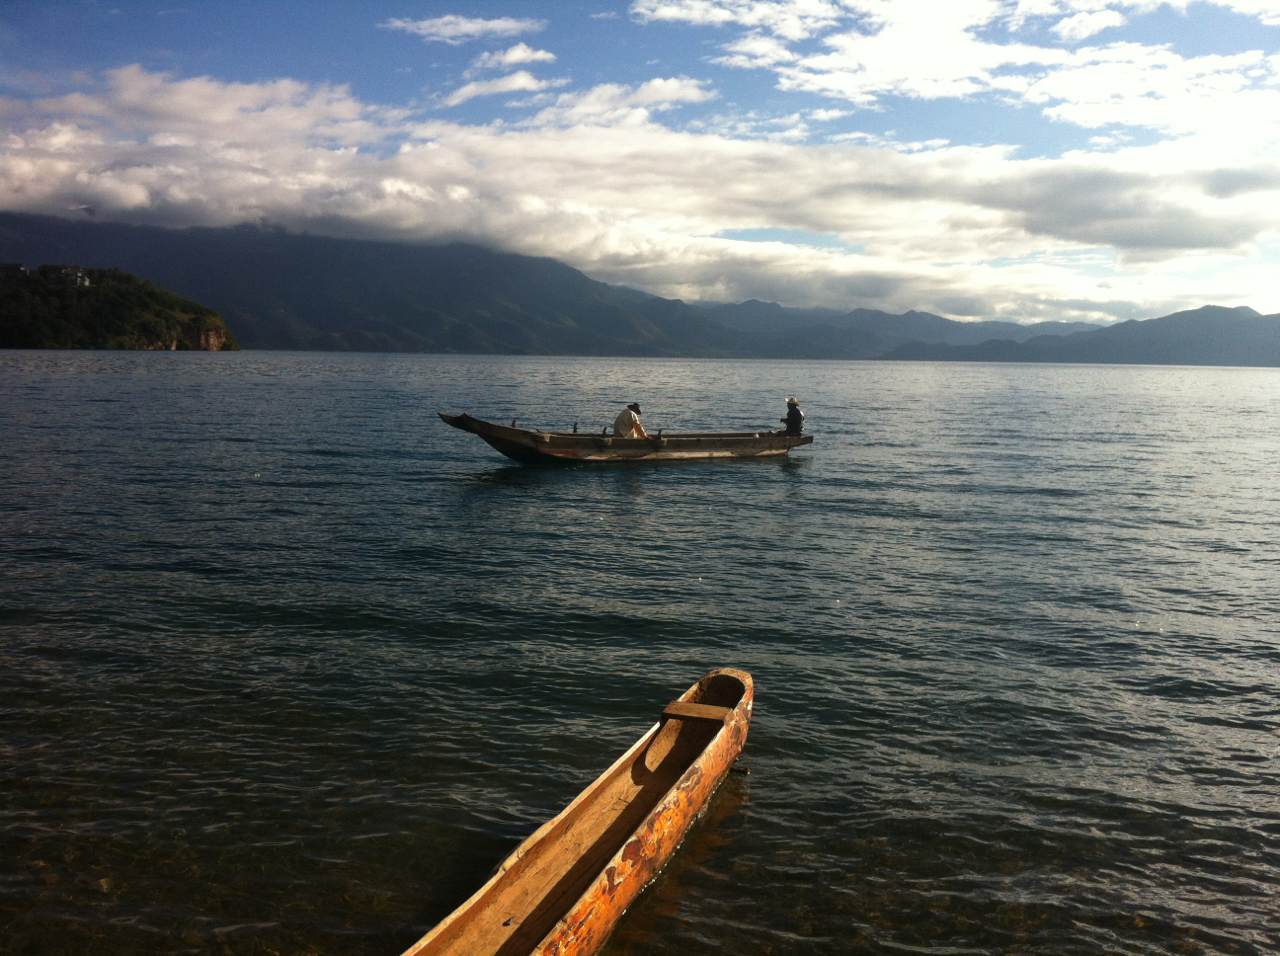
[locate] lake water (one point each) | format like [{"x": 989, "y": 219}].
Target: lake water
[{"x": 287, "y": 665}]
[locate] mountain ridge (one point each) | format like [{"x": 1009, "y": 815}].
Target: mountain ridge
[
  {"x": 277, "y": 289},
  {"x": 1209, "y": 335}
]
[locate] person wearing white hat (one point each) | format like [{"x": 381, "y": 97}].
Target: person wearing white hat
[
  {"x": 794, "y": 419},
  {"x": 627, "y": 424}
]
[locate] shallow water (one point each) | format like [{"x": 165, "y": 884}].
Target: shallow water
[{"x": 288, "y": 665}]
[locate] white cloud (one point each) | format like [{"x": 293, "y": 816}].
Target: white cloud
[
  {"x": 522, "y": 81},
  {"x": 596, "y": 181},
  {"x": 752, "y": 124},
  {"x": 756, "y": 51},
  {"x": 1136, "y": 86},
  {"x": 890, "y": 141},
  {"x": 925, "y": 58},
  {"x": 1081, "y": 26},
  {"x": 913, "y": 48},
  {"x": 671, "y": 90},
  {"x": 790, "y": 19},
  {"x": 454, "y": 29},
  {"x": 616, "y": 104},
  {"x": 1267, "y": 11},
  {"x": 202, "y": 107},
  {"x": 517, "y": 55},
  {"x": 875, "y": 50}
]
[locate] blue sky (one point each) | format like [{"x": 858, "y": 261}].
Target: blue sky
[{"x": 1017, "y": 159}]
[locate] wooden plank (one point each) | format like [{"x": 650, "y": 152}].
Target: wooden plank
[{"x": 686, "y": 711}]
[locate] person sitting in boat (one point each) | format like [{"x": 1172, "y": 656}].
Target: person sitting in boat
[
  {"x": 795, "y": 418},
  {"x": 627, "y": 424}
]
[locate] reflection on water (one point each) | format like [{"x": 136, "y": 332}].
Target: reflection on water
[{"x": 289, "y": 665}]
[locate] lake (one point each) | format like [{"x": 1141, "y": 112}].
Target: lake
[{"x": 287, "y": 665}]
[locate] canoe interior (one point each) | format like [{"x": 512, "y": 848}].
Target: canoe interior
[{"x": 538, "y": 883}]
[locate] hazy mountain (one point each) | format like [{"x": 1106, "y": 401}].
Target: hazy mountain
[
  {"x": 879, "y": 330},
  {"x": 913, "y": 326},
  {"x": 282, "y": 290},
  {"x": 279, "y": 290},
  {"x": 1211, "y": 335},
  {"x": 767, "y": 317}
]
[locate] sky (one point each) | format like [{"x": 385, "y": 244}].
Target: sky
[{"x": 1023, "y": 160}]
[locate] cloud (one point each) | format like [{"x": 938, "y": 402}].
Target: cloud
[
  {"x": 754, "y": 124},
  {"x": 617, "y": 104},
  {"x": 907, "y": 48},
  {"x": 1080, "y": 26},
  {"x": 790, "y": 19},
  {"x": 1266, "y": 11},
  {"x": 517, "y": 55},
  {"x": 1228, "y": 182},
  {"x": 1131, "y": 85},
  {"x": 1118, "y": 208},
  {"x": 454, "y": 29},
  {"x": 595, "y": 179},
  {"x": 756, "y": 51},
  {"x": 868, "y": 52},
  {"x": 204, "y": 108},
  {"x": 522, "y": 81},
  {"x": 889, "y": 142}
]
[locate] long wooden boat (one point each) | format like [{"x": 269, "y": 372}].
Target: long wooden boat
[
  {"x": 547, "y": 447},
  {"x": 562, "y": 890}
]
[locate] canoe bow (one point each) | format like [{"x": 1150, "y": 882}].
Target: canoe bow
[{"x": 564, "y": 888}]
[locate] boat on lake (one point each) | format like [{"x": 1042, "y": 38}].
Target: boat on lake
[
  {"x": 547, "y": 447},
  {"x": 564, "y": 888}
]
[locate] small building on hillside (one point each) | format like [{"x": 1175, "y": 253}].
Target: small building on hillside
[{"x": 72, "y": 275}]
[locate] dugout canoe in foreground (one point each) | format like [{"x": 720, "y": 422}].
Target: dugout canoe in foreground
[
  {"x": 562, "y": 890},
  {"x": 546, "y": 447}
]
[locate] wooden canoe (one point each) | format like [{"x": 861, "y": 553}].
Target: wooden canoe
[
  {"x": 547, "y": 447},
  {"x": 562, "y": 890}
]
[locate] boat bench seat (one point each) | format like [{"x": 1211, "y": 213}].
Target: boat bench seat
[{"x": 685, "y": 711}]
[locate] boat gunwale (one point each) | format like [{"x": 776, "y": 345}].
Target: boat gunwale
[{"x": 740, "y": 714}]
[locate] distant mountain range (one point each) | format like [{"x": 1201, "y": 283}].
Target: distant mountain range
[
  {"x": 1211, "y": 335},
  {"x": 290, "y": 291},
  {"x": 867, "y": 333}
]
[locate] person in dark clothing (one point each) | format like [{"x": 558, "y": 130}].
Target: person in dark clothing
[{"x": 795, "y": 418}]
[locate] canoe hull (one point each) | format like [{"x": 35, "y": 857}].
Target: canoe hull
[
  {"x": 586, "y": 927},
  {"x": 551, "y": 448},
  {"x": 580, "y": 911}
]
